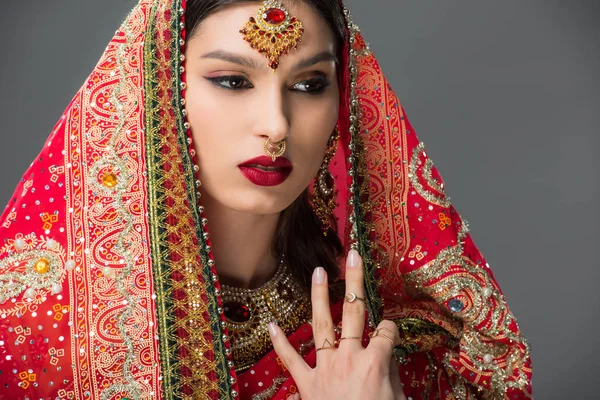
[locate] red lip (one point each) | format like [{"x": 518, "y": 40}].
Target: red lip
[
  {"x": 278, "y": 170},
  {"x": 264, "y": 161}
]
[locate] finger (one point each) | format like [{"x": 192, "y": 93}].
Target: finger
[
  {"x": 397, "y": 387},
  {"x": 353, "y": 320},
  {"x": 288, "y": 354},
  {"x": 322, "y": 323},
  {"x": 384, "y": 338}
]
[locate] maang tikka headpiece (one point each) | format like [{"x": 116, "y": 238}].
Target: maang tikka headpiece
[{"x": 273, "y": 31}]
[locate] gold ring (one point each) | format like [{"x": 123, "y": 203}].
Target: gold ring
[
  {"x": 352, "y": 297},
  {"x": 349, "y": 337},
  {"x": 385, "y": 337},
  {"x": 378, "y": 333},
  {"x": 383, "y": 328},
  {"x": 324, "y": 347}
]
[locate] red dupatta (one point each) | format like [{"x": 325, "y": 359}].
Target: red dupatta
[{"x": 105, "y": 249}]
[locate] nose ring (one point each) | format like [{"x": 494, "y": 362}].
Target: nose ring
[{"x": 274, "y": 150}]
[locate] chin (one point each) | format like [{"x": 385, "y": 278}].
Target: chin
[{"x": 256, "y": 201}]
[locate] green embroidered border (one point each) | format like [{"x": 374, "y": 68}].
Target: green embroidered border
[
  {"x": 158, "y": 211},
  {"x": 158, "y": 247},
  {"x": 413, "y": 329},
  {"x": 222, "y": 371}
]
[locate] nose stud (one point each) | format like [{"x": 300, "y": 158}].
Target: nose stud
[{"x": 274, "y": 150}]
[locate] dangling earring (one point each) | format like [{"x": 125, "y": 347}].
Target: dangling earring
[{"x": 324, "y": 193}]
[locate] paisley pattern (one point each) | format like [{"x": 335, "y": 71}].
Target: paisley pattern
[
  {"x": 423, "y": 270},
  {"x": 108, "y": 285},
  {"x": 29, "y": 272},
  {"x": 110, "y": 289}
]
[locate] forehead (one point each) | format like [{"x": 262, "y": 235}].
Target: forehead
[{"x": 221, "y": 31}]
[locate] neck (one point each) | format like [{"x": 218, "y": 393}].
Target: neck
[{"x": 242, "y": 245}]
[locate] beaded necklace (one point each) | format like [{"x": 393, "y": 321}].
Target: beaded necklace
[{"x": 248, "y": 312}]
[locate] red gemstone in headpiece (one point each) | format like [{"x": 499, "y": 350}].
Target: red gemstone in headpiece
[
  {"x": 274, "y": 32},
  {"x": 274, "y": 16}
]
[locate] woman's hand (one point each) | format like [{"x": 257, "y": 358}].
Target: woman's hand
[{"x": 349, "y": 371}]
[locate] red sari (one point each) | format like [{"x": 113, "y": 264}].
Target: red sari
[{"x": 104, "y": 252}]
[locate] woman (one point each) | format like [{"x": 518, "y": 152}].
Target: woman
[{"x": 274, "y": 122}]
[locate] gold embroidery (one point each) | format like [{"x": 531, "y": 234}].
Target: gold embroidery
[
  {"x": 35, "y": 272},
  {"x": 358, "y": 209},
  {"x": 271, "y": 390},
  {"x": 417, "y": 335},
  {"x": 106, "y": 229},
  {"x": 117, "y": 188},
  {"x": 390, "y": 235},
  {"x": 434, "y": 193},
  {"x": 193, "y": 342},
  {"x": 453, "y": 279}
]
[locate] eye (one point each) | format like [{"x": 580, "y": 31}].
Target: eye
[
  {"x": 312, "y": 86},
  {"x": 231, "y": 82}
]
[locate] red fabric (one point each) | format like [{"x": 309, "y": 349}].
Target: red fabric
[{"x": 67, "y": 233}]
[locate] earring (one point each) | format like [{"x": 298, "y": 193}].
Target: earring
[{"x": 324, "y": 193}]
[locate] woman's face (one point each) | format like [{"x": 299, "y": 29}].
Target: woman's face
[{"x": 235, "y": 102}]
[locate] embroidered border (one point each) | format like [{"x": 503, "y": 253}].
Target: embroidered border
[
  {"x": 111, "y": 339},
  {"x": 359, "y": 206},
  {"x": 194, "y": 347}
]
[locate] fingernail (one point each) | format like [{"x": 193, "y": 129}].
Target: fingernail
[
  {"x": 353, "y": 259},
  {"x": 318, "y": 275},
  {"x": 272, "y": 329}
]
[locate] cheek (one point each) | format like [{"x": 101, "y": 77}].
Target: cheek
[
  {"x": 314, "y": 133},
  {"x": 208, "y": 119},
  {"x": 202, "y": 110},
  {"x": 210, "y": 116},
  {"x": 308, "y": 153}
]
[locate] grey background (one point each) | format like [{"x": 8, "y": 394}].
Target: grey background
[{"x": 505, "y": 93}]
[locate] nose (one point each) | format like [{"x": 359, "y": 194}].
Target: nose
[{"x": 271, "y": 116}]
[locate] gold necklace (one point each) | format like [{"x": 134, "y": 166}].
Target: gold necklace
[{"x": 248, "y": 312}]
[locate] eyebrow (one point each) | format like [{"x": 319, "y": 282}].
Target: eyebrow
[
  {"x": 252, "y": 63},
  {"x": 232, "y": 58},
  {"x": 322, "y": 56}
]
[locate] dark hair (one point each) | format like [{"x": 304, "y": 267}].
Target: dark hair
[{"x": 299, "y": 234}]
